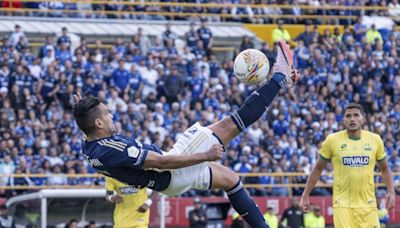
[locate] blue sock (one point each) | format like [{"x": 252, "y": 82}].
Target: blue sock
[
  {"x": 245, "y": 206},
  {"x": 256, "y": 104}
]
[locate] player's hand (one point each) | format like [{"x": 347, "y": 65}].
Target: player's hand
[
  {"x": 304, "y": 203},
  {"x": 215, "y": 153},
  {"x": 117, "y": 199},
  {"x": 143, "y": 208},
  {"x": 77, "y": 97},
  {"x": 390, "y": 199}
]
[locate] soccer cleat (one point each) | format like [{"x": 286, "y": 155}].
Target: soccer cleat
[{"x": 284, "y": 64}]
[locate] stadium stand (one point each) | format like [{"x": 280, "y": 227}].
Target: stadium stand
[
  {"x": 334, "y": 74},
  {"x": 137, "y": 77}
]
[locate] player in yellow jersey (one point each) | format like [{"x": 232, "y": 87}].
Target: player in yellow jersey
[
  {"x": 131, "y": 204},
  {"x": 353, "y": 153}
]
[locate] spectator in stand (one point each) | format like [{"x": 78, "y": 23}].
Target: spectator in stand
[
  {"x": 57, "y": 179},
  {"x": 242, "y": 12},
  {"x": 173, "y": 85},
  {"x": 293, "y": 216},
  {"x": 246, "y": 43},
  {"x": 6, "y": 220},
  {"x": 308, "y": 35},
  {"x": 314, "y": 219},
  {"x": 18, "y": 181},
  {"x": 198, "y": 216},
  {"x": 383, "y": 213},
  {"x": 373, "y": 35},
  {"x": 73, "y": 223},
  {"x": 360, "y": 30},
  {"x": 280, "y": 33},
  {"x": 120, "y": 77},
  {"x": 271, "y": 218},
  {"x": 16, "y": 36},
  {"x": 91, "y": 224},
  {"x": 169, "y": 34},
  {"x": 64, "y": 38},
  {"x": 303, "y": 55},
  {"x": 191, "y": 36},
  {"x": 7, "y": 166},
  {"x": 206, "y": 36},
  {"x": 116, "y": 103}
]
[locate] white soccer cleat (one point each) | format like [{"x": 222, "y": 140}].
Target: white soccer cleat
[{"x": 284, "y": 64}]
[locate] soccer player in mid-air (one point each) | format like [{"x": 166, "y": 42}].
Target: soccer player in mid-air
[
  {"x": 189, "y": 165},
  {"x": 353, "y": 153}
]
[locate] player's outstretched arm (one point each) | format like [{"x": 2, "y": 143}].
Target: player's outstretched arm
[
  {"x": 311, "y": 182},
  {"x": 155, "y": 160},
  {"x": 388, "y": 179}
]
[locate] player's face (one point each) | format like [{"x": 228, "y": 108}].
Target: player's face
[
  {"x": 107, "y": 119},
  {"x": 353, "y": 119}
]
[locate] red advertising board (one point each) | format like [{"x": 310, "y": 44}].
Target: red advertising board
[{"x": 177, "y": 209}]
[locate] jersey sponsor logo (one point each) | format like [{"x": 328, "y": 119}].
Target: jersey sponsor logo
[
  {"x": 128, "y": 190},
  {"x": 133, "y": 152},
  {"x": 355, "y": 161}
]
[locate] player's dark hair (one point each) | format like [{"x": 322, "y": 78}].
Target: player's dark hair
[
  {"x": 86, "y": 111},
  {"x": 356, "y": 106}
]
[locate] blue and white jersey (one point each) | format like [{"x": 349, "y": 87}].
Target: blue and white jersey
[
  {"x": 191, "y": 39},
  {"x": 49, "y": 83},
  {"x": 205, "y": 35},
  {"x": 122, "y": 158}
]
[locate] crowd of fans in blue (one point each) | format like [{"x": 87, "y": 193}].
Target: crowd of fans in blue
[
  {"x": 255, "y": 11},
  {"x": 155, "y": 92}
]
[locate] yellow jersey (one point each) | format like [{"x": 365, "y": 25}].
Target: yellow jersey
[
  {"x": 280, "y": 34},
  {"x": 312, "y": 221},
  {"x": 125, "y": 213},
  {"x": 272, "y": 220},
  {"x": 353, "y": 162}
]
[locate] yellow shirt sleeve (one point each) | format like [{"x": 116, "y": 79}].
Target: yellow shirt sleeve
[
  {"x": 380, "y": 153},
  {"x": 287, "y": 35},
  {"x": 326, "y": 150},
  {"x": 275, "y": 35},
  {"x": 110, "y": 184}
]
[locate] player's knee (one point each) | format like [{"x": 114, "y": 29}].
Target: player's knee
[
  {"x": 231, "y": 180},
  {"x": 223, "y": 177}
]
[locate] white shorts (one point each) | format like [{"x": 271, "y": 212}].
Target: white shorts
[{"x": 196, "y": 139}]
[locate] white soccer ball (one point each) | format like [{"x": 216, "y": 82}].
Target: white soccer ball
[{"x": 251, "y": 66}]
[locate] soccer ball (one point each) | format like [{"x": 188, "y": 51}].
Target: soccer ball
[{"x": 251, "y": 66}]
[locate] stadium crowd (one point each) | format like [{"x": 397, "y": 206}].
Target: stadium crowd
[
  {"x": 253, "y": 12},
  {"x": 156, "y": 91}
]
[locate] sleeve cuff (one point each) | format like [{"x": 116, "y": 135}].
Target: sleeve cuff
[
  {"x": 142, "y": 157},
  {"x": 382, "y": 159},
  {"x": 324, "y": 158}
]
